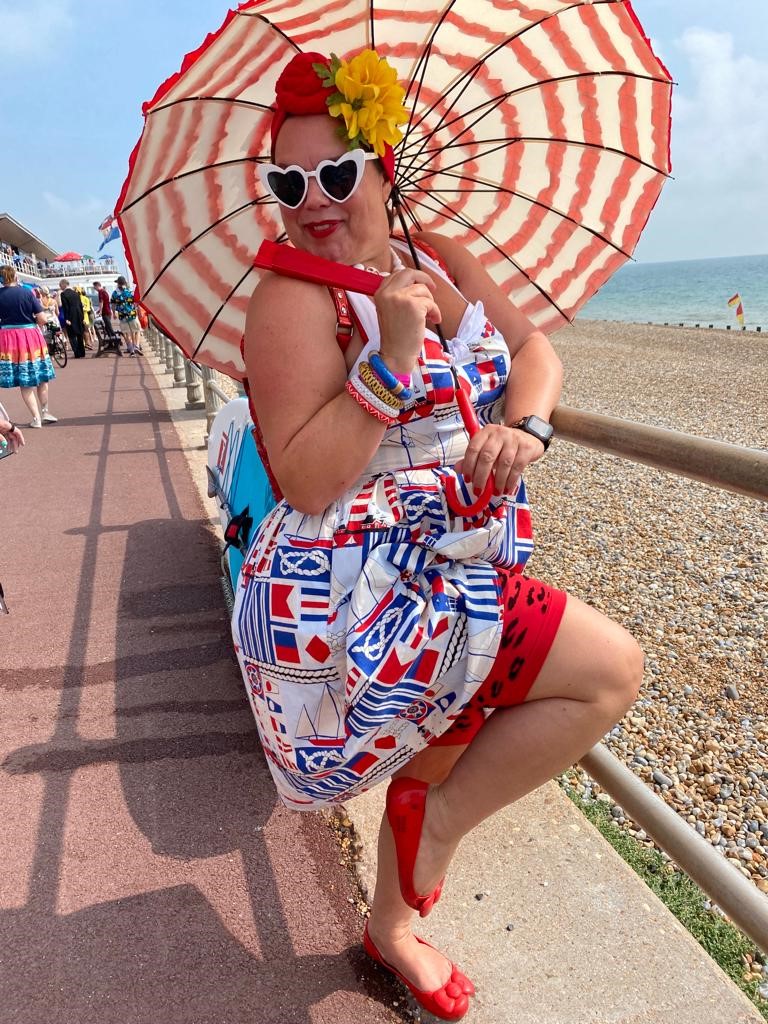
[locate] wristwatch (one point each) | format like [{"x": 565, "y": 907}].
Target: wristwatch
[{"x": 536, "y": 427}]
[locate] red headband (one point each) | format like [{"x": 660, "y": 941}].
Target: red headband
[{"x": 299, "y": 91}]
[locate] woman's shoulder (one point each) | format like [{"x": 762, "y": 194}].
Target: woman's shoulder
[{"x": 277, "y": 298}]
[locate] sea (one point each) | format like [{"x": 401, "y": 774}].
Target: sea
[{"x": 686, "y": 292}]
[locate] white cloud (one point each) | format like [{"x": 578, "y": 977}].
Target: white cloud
[
  {"x": 92, "y": 206},
  {"x": 720, "y": 131},
  {"x": 35, "y": 28}
]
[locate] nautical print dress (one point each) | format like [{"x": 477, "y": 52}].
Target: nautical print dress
[{"x": 364, "y": 630}]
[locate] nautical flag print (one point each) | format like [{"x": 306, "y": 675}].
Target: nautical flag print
[{"x": 363, "y": 631}]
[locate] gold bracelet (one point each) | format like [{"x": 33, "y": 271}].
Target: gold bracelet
[{"x": 373, "y": 383}]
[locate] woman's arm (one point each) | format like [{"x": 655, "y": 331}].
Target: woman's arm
[
  {"x": 319, "y": 440},
  {"x": 535, "y": 378}
]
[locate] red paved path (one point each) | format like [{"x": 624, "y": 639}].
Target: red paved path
[{"x": 148, "y": 874}]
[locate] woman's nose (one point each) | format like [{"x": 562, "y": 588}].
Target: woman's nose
[{"x": 315, "y": 197}]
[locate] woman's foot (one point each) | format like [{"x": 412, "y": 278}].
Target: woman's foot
[{"x": 437, "y": 984}]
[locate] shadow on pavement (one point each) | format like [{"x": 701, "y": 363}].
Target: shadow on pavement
[{"x": 182, "y": 774}]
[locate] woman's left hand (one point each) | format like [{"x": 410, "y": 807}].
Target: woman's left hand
[{"x": 503, "y": 451}]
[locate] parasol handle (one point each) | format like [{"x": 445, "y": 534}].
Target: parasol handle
[
  {"x": 303, "y": 266},
  {"x": 469, "y": 418}
]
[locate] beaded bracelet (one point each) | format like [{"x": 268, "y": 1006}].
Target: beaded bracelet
[
  {"x": 397, "y": 385},
  {"x": 365, "y": 402},
  {"x": 374, "y": 384}
]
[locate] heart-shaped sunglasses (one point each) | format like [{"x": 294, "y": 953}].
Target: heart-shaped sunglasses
[{"x": 338, "y": 179}]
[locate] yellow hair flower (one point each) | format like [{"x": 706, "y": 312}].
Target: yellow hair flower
[{"x": 368, "y": 97}]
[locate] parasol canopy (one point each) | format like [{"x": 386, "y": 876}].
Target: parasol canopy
[
  {"x": 539, "y": 139},
  {"x": 68, "y": 257}
]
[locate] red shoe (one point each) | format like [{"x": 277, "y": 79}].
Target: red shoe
[
  {"x": 450, "y": 1002},
  {"x": 406, "y": 799}
]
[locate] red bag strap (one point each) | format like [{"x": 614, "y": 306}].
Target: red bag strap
[{"x": 344, "y": 322}]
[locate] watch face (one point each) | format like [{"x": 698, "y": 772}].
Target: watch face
[{"x": 540, "y": 426}]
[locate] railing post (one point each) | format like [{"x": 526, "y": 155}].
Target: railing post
[
  {"x": 194, "y": 387},
  {"x": 168, "y": 352},
  {"x": 179, "y": 379},
  {"x": 240, "y": 388},
  {"x": 151, "y": 334},
  {"x": 212, "y": 401}
]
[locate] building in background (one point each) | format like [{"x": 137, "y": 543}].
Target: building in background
[{"x": 36, "y": 263}]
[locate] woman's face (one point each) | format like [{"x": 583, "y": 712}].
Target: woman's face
[{"x": 356, "y": 231}]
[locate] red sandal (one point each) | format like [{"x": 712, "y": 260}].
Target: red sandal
[
  {"x": 450, "y": 1002},
  {"x": 406, "y": 800}
]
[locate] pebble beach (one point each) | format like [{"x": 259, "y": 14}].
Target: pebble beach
[{"x": 681, "y": 564}]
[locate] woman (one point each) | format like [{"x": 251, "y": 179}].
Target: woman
[
  {"x": 375, "y": 628},
  {"x": 89, "y": 335},
  {"x": 24, "y": 359}
]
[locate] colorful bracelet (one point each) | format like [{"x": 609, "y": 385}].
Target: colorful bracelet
[
  {"x": 374, "y": 384},
  {"x": 397, "y": 385},
  {"x": 365, "y": 403}
]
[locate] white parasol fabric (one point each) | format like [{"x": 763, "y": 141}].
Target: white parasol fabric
[{"x": 539, "y": 138}]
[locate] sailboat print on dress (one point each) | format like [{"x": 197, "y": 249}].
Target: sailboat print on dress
[{"x": 327, "y": 729}]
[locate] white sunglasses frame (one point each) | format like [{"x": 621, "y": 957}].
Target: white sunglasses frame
[{"x": 359, "y": 156}]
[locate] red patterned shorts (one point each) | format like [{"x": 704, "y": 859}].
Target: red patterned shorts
[{"x": 531, "y": 618}]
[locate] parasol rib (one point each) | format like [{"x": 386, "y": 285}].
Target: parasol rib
[
  {"x": 420, "y": 144},
  {"x": 251, "y": 269},
  {"x": 210, "y": 227},
  {"x": 543, "y": 140},
  {"x": 209, "y": 99},
  {"x": 460, "y": 219},
  {"x": 189, "y": 174},
  {"x": 472, "y": 71}
]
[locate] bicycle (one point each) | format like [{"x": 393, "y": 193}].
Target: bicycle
[{"x": 57, "y": 348}]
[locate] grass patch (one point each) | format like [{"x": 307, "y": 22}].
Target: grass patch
[{"x": 725, "y": 944}]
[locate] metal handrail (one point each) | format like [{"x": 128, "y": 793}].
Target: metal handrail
[
  {"x": 728, "y": 466},
  {"x": 739, "y": 898}
]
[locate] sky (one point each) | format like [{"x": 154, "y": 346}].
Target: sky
[{"x": 76, "y": 74}]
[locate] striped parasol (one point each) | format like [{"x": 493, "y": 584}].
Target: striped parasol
[{"x": 538, "y": 138}]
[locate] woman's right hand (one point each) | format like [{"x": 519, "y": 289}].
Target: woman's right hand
[{"x": 404, "y": 303}]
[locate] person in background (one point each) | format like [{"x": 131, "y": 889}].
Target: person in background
[
  {"x": 105, "y": 311},
  {"x": 24, "y": 359},
  {"x": 123, "y": 301},
  {"x": 48, "y": 302},
  {"x": 89, "y": 335},
  {"x": 74, "y": 322}
]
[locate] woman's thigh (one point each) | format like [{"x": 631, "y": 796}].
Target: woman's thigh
[{"x": 590, "y": 658}]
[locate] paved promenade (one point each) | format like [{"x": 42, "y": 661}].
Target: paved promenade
[{"x": 149, "y": 876}]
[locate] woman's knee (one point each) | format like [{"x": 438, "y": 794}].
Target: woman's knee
[
  {"x": 623, "y": 675},
  {"x": 593, "y": 659}
]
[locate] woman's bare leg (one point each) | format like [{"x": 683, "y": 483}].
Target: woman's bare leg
[
  {"x": 42, "y": 395},
  {"x": 30, "y": 400},
  {"x": 389, "y": 924},
  {"x": 589, "y": 679}
]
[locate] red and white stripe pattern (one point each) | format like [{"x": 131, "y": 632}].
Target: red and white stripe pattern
[{"x": 539, "y": 139}]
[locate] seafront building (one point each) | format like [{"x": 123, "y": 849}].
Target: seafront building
[{"x": 36, "y": 263}]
